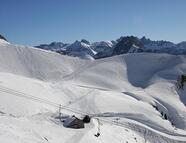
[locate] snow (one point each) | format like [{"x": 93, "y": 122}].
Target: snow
[
  {"x": 86, "y": 50},
  {"x": 54, "y": 46},
  {"x": 81, "y": 50},
  {"x": 106, "y": 43},
  {"x": 120, "y": 93},
  {"x": 164, "y": 47},
  {"x": 3, "y": 42}
]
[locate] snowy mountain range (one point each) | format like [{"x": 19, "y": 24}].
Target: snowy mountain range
[
  {"x": 131, "y": 98},
  {"x": 123, "y": 45}
]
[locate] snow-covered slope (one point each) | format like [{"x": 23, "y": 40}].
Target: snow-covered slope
[
  {"x": 36, "y": 63},
  {"x": 103, "y": 49},
  {"x": 164, "y": 47},
  {"x": 102, "y": 46},
  {"x": 80, "y": 49},
  {"x": 125, "y": 95}
]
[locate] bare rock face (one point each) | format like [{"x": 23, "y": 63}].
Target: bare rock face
[
  {"x": 126, "y": 43},
  {"x": 2, "y": 37}
]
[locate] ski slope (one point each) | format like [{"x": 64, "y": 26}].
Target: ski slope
[{"x": 120, "y": 93}]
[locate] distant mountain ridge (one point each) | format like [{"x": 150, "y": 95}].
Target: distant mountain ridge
[
  {"x": 123, "y": 45},
  {"x": 54, "y": 46}
]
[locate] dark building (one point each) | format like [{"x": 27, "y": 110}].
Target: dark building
[{"x": 73, "y": 122}]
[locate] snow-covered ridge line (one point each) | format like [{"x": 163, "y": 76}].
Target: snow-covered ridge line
[{"x": 123, "y": 45}]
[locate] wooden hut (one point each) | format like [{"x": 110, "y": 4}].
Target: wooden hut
[{"x": 73, "y": 122}]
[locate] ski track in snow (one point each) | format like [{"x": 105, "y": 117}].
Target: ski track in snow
[{"x": 121, "y": 92}]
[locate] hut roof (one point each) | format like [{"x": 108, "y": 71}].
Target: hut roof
[{"x": 73, "y": 122}]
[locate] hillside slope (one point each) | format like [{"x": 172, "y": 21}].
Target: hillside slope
[
  {"x": 36, "y": 63},
  {"x": 125, "y": 95}
]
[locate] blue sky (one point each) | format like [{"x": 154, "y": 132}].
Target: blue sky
[{"x": 32, "y": 22}]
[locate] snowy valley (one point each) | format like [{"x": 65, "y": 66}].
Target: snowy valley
[{"x": 131, "y": 97}]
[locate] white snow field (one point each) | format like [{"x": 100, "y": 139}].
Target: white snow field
[{"x": 125, "y": 96}]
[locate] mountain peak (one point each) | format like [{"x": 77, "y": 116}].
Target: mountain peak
[
  {"x": 85, "y": 41},
  {"x": 3, "y": 38},
  {"x": 126, "y": 43},
  {"x": 123, "y": 45}
]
